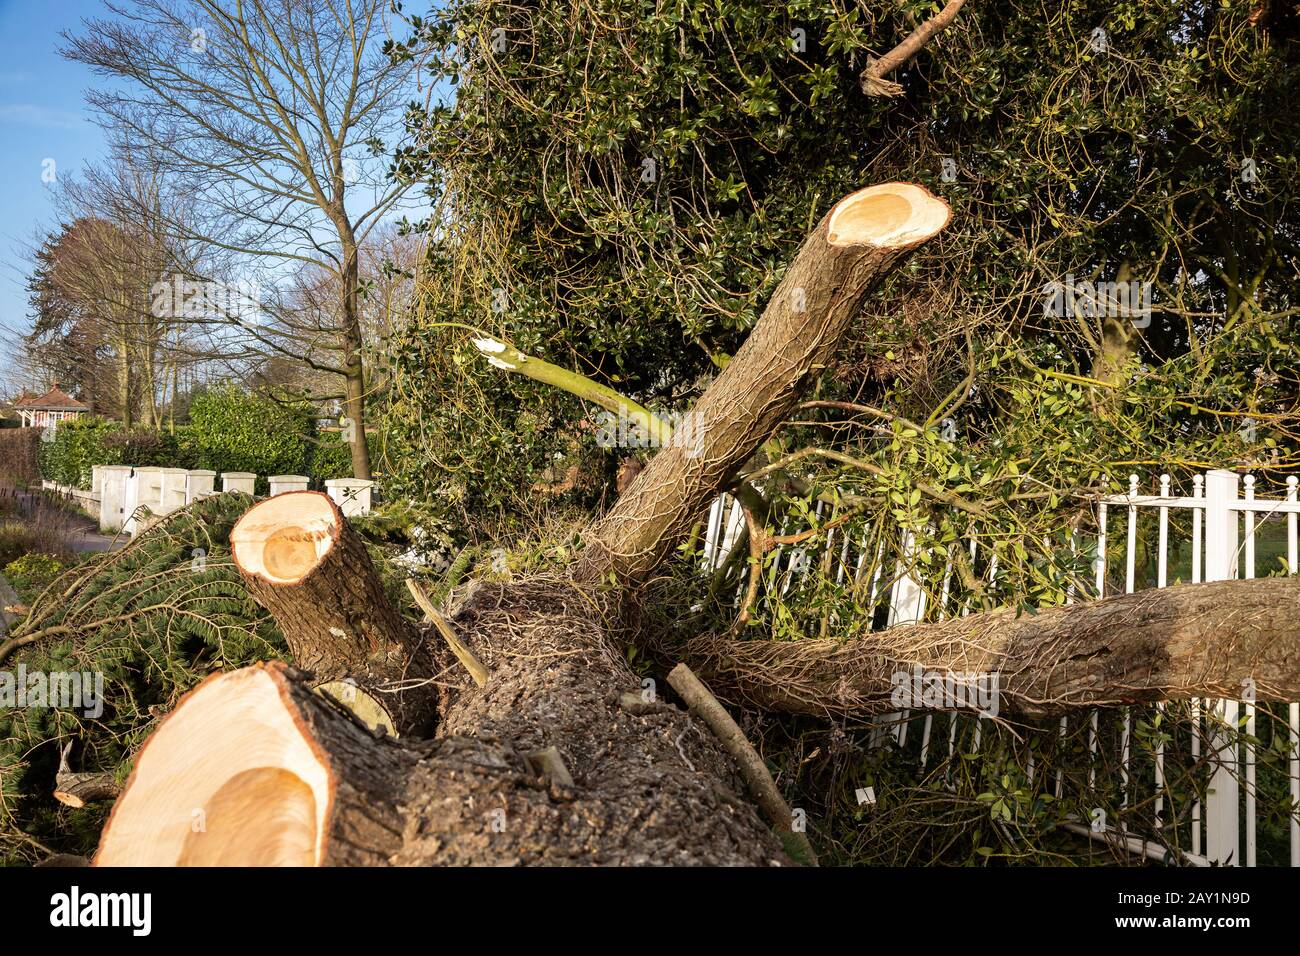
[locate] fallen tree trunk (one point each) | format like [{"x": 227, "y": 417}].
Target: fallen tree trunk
[
  {"x": 277, "y": 775},
  {"x": 1222, "y": 639},
  {"x": 558, "y": 758},
  {"x": 650, "y": 782},
  {"x": 302, "y": 562},
  {"x": 287, "y": 780}
]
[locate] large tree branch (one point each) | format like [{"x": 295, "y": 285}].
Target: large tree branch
[
  {"x": 306, "y": 565},
  {"x": 1222, "y": 639},
  {"x": 860, "y": 240}
]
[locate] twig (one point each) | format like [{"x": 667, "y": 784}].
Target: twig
[
  {"x": 549, "y": 764},
  {"x": 458, "y": 647},
  {"x": 702, "y": 703},
  {"x": 78, "y": 789}
]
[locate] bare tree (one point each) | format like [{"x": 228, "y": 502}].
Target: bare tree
[
  {"x": 94, "y": 283},
  {"x": 275, "y": 115}
]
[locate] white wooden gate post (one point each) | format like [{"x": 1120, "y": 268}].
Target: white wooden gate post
[{"x": 1221, "y": 843}]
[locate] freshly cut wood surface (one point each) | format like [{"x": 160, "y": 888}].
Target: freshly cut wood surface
[{"x": 254, "y": 769}]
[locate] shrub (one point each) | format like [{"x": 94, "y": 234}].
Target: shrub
[
  {"x": 46, "y": 528},
  {"x": 19, "y": 455},
  {"x": 32, "y": 573},
  {"x": 231, "y": 430},
  {"x": 81, "y": 443},
  {"x": 76, "y": 445},
  {"x": 141, "y": 447}
]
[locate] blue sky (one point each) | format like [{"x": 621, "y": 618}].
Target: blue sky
[{"x": 42, "y": 116}]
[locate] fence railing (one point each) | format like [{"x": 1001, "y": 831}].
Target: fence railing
[{"x": 1226, "y": 528}]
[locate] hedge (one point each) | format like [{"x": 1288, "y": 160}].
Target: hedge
[
  {"x": 231, "y": 430},
  {"x": 19, "y": 454},
  {"x": 79, "y": 443}
]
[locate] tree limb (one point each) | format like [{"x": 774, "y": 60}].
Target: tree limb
[
  {"x": 1221, "y": 639},
  {"x": 873, "y": 77}
]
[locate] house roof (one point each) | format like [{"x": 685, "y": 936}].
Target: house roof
[{"x": 54, "y": 400}]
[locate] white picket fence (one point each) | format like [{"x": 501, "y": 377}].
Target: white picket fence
[{"x": 1227, "y": 513}]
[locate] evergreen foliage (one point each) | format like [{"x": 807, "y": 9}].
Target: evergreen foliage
[
  {"x": 153, "y": 618},
  {"x": 622, "y": 199}
]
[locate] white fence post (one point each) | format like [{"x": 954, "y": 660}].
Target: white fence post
[
  {"x": 130, "y": 499},
  {"x": 243, "y": 481},
  {"x": 143, "y": 489},
  {"x": 906, "y": 606},
  {"x": 172, "y": 493},
  {"x": 352, "y": 495},
  {"x": 907, "y": 598},
  {"x": 281, "y": 484},
  {"x": 1221, "y": 844},
  {"x": 198, "y": 484},
  {"x": 112, "y": 496}
]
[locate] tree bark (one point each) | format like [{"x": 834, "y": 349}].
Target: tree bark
[
  {"x": 124, "y": 380},
  {"x": 278, "y": 775},
  {"x": 304, "y": 563},
  {"x": 78, "y": 789},
  {"x": 858, "y": 241},
  {"x": 353, "y": 343},
  {"x": 1222, "y": 639}
]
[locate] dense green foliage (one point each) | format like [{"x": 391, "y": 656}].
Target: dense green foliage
[
  {"x": 232, "y": 430},
  {"x": 328, "y": 456},
  {"x": 32, "y": 573},
  {"x": 622, "y": 199},
  {"x": 78, "y": 444}
]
